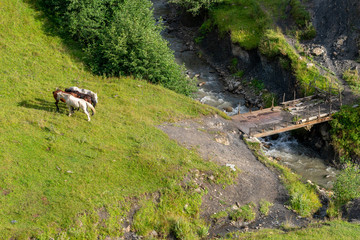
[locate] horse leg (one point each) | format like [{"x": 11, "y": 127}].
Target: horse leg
[
  {"x": 70, "y": 110},
  {"x": 84, "y": 107},
  {"x": 57, "y": 106}
]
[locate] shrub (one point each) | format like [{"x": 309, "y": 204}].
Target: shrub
[
  {"x": 120, "y": 38},
  {"x": 347, "y": 184},
  {"x": 196, "y": 6},
  {"x": 345, "y": 132},
  {"x": 299, "y": 13}
]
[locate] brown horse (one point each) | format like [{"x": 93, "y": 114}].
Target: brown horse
[{"x": 86, "y": 97}]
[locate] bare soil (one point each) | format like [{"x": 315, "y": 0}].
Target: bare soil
[{"x": 220, "y": 141}]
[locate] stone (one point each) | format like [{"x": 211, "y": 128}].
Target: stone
[
  {"x": 223, "y": 141},
  {"x": 317, "y": 51},
  {"x": 228, "y": 109},
  {"x": 231, "y": 166}
]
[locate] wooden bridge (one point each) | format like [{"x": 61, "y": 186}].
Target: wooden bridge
[{"x": 290, "y": 115}]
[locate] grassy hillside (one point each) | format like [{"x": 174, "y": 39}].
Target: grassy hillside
[{"x": 66, "y": 177}]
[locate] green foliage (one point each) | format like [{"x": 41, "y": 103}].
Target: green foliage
[
  {"x": 244, "y": 213},
  {"x": 120, "y": 38},
  {"x": 331, "y": 230},
  {"x": 353, "y": 78},
  {"x": 345, "y": 132},
  {"x": 299, "y": 13},
  {"x": 308, "y": 32},
  {"x": 265, "y": 207},
  {"x": 196, "y": 6},
  {"x": 257, "y": 84},
  {"x": 244, "y": 19},
  {"x": 219, "y": 215},
  {"x": 347, "y": 184}
]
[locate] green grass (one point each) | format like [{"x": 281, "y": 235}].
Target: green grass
[
  {"x": 330, "y": 230},
  {"x": 352, "y": 77},
  {"x": 244, "y": 213},
  {"x": 244, "y": 19},
  {"x": 65, "y": 177},
  {"x": 264, "y": 207}
]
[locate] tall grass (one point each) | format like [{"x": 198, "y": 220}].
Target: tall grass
[{"x": 64, "y": 177}]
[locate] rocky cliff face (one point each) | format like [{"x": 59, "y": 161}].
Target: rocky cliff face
[{"x": 337, "y": 24}]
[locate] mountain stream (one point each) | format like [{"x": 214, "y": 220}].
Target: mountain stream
[{"x": 285, "y": 148}]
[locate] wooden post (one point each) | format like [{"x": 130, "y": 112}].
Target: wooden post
[
  {"x": 294, "y": 94},
  {"x": 308, "y": 113},
  {"x": 319, "y": 113},
  {"x": 272, "y": 104},
  {"x": 239, "y": 108},
  {"x": 250, "y": 108},
  {"x": 284, "y": 97}
]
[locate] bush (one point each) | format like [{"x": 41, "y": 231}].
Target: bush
[
  {"x": 120, "y": 38},
  {"x": 299, "y": 13},
  {"x": 345, "y": 132},
  {"x": 347, "y": 184}
]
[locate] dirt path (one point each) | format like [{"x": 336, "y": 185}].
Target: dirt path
[{"x": 219, "y": 140}]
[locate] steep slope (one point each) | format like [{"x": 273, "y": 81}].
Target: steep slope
[{"x": 66, "y": 177}]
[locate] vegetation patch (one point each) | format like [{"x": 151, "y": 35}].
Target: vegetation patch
[
  {"x": 118, "y": 38},
  {"x": 244, "y": 19},
  {"x": 244, "y": 213},
  {"x": 347, "y": 185},
  {"x": 329, "y": 230},
  {"x": 303, "y": 197},
  {"x": 264, "y": 207},
  {"x": 345, "y": 132},
  {"x": 353, "y": 79}
]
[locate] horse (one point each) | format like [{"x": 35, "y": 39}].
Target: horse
[
  {"x": 74, "y": 102},
  {"x": 93, "y": 95},
  {"x": 75, "y": 94}
]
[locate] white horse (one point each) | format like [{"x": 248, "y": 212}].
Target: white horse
[
  {"x": 75, "y": 102},
  {"x": 93, "y": 95}
]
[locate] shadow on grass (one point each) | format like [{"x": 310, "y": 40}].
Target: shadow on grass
[{"x": 41, "y": 104}]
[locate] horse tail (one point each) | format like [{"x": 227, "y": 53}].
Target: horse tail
[{"x": 91, "y": 107}]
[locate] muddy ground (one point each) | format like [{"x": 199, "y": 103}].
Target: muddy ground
[{"x": 220, "y": 141}]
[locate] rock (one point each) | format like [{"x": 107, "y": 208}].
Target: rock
[
  {"x": 127, "y": 229},
  {"x": 153, "y": 234},
  {"x": 201, "y": 84},
  {"x": 228, "y": 109},
  {"x": 211, "y": 177},
  {"x": 309, "y": 65},
  {"x": 234, "y": 207},
  {"x": 317, "y": 51},
  {"x": 231, "y": 166},
  {"x": 222, "y": 140}
]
